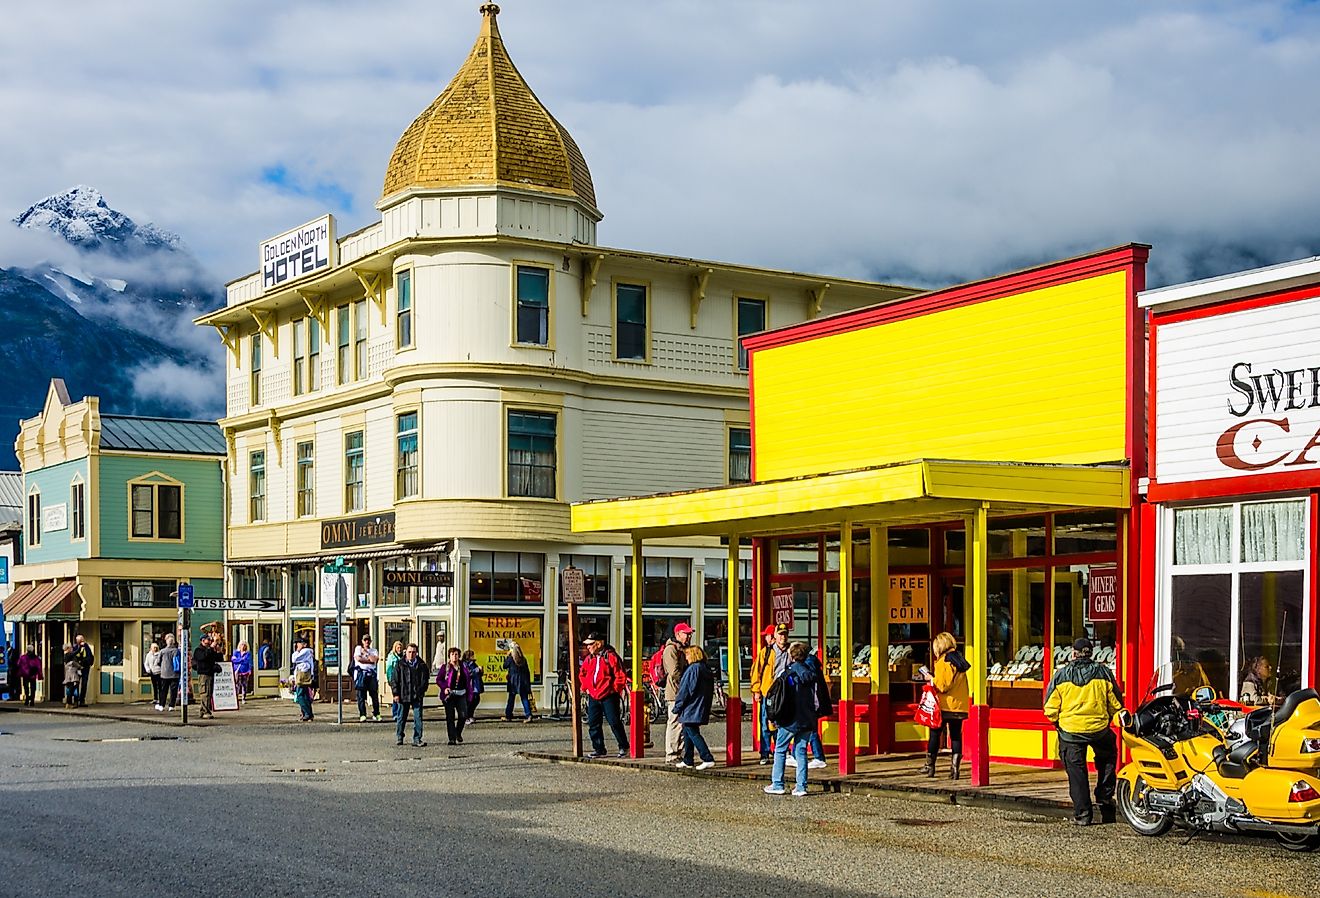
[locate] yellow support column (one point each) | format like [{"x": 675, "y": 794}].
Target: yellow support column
[
  {"x": 882, "y": 727},
  {"x": 636, "y": 732},
  {"x": 733, "y": 708},
  {"x": 977, "y": 742},
  {"x": 847, "y": 734}
]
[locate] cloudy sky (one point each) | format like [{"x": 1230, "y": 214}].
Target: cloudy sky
[{"x": 917, "y": 141}]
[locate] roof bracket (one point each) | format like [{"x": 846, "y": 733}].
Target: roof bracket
[
  {"x": 275, "y": 422},
  {"x": 373, "y": 284},
  {"x": 699, "y": 280},
  {"x": 269, "y": 326},
  {"x": 319, "y": 309},
  {"x": 590, "y": 271},
  {"x": 229, "y": 336},
  {"x": 816, "y": 300}
]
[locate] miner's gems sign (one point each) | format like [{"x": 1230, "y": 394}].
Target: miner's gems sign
[
  {"x": 295, "y": 254},
  {"x": 1238, "y": 393}
]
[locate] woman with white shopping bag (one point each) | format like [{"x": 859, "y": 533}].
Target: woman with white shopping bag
[{"x": 950, "y": 697}]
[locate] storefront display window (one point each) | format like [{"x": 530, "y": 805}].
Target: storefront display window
[
  {"x": 665, "y": 581},
  {"x": 655, "y": 630},
  {"x": 269, "y": 647},
  {"x": 138, "y": 593},
  {"x": 596, "y": 573},
  {"x": 1076, "y": 615},
  {"x": 1016, "y": 637},
  {"x": 306, "y": 582},
  {"x": 435, "y": 639},
  {"x": 489, "y": 639},
  {"x": 1017, "y": 537},
  {"x": 587, "y": 623},
  {"x": 1236, "y": 600},
  {"x": 506, "y": 577},
  {"x": 433, "y": 595},
  {"x": 910, "y": 546},
  {"x": 1082, "y": 532},
  {"x": 715, "y": 588},
  {"x": 716, "y": 642},
  {"x": 112, "y": 644},
  {"x": 799, "y": 556},
  {"x": 396, "y": 631}
]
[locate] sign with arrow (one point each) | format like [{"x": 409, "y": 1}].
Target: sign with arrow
[{"x": 238, "y": 604}]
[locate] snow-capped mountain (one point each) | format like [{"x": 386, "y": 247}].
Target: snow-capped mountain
[
  {"x": 83, "y": 219},
  {"x": 108, "y": 306}
]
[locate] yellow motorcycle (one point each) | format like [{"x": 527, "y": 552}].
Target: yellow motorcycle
[{"x": 1257, "y": 774}]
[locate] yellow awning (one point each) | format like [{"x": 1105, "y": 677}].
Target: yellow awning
[{"x": 905, "y": 493}]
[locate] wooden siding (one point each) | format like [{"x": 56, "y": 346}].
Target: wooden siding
[
  {"x": 203, "y": 516},
  {"x": 637, "y": 448},
  {"x": 54, "y": 483},
  {"x": 1035, "y": 377}
]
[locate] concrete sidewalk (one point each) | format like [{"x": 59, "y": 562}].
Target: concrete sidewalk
[{"x": 1012, "y": 787}]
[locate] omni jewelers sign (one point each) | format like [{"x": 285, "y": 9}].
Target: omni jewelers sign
[
  {"x": 1238, "y": 394},
  {"x": 294, "y": 254}
]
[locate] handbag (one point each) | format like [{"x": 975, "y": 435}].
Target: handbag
[
  {"x": 928, "y": 709},
  {"x": 302, "y": 677}
]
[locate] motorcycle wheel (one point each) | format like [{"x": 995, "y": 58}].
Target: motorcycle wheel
[
  {"x": 1296, "y": 842},
  {"x": 1145, "y": 822}
]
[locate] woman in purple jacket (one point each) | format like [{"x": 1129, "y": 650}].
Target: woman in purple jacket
[{"x": 455, "y": 691}]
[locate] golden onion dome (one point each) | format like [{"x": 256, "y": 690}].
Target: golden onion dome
[{"x": 488, "y": 128}]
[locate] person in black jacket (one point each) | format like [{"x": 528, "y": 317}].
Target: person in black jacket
[
  {"x": 409, "y": 680},
  {"x": 797, "y": 719},
  {"x": 205, "y": 661},
  {"x": 83, "y": 654}
]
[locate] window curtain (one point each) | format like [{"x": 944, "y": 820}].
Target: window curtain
[
  {"x": 1273, "y": 531},
  {"x": 1202, "y": 535}
]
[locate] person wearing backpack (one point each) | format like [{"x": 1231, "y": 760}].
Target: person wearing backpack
[
  {"x": 824, "y": 708},
  {"x": 668, "y": 664},
  {"x": 477, "y": 677},
  {"x": 169, "y": 674},
  {"x": 770, "y": 663},
  {"x": 604, "y": 680},
  {"x": 793, "y": 699}
]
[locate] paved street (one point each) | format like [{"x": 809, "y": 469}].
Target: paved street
[{"x": 113, "y": 808}]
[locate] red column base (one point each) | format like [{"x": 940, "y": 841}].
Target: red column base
[
  {"x": 976, "y": 744},
  {"x": 637, "y": 724},
  {"x": 733, "y": 731},
  {"x": 881, "y": 726},
  {"x": 847, "y": 746}
]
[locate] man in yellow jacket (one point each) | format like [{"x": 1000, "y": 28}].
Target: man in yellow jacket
[
  {"x": 770, "y": 662},
  {"x": 1081, "y": 702}
]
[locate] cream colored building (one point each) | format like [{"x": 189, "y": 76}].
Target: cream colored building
[{"x": 425, "y": 397}]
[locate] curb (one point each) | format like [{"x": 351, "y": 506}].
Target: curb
[{"x": 840, "y": 785}]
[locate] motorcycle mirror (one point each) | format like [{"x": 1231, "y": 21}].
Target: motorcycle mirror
[{"x": 1203, "y": 694}]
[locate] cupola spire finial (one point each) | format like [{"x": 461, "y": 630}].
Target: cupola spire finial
[{"x": 490, "y": 9}]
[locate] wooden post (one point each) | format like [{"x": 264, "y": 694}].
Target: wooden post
[
  {"x": 575, "y": 690},
  {"x": 733, "y": 709},
  {"x": 637, "y": 725}
]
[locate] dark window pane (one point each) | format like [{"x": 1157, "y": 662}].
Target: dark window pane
[
  {"x": 1202, "y": 632},
  {"x": 1271, "y": 622},
  {"x": 171, "y": 517}
]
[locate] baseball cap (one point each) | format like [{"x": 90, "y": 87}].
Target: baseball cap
[
  {"x": 682, "y": 627},
  {"x": 593, "y": 637},
  {"x": 1083, "y": 645},
  {"x": 782, "y": 628},
  {"x": 769, "y": 630}
]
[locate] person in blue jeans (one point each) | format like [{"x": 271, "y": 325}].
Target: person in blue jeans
[
  {"x": 797, "y": 718},
  {"x": 691, "y": 708},
  {"x": 814, "y": 746},
  {"x": 303, "y": 668},
  {"x": 409, "y": 682}
]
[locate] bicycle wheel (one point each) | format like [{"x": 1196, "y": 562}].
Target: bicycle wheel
[{"x": 562, "y": 704}]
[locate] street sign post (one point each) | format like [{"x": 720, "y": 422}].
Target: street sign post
[
  {"x": 341, "y": 603},
  {"x": 203, "y": 604}
]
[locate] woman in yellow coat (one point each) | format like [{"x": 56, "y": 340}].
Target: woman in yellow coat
[{"x": 949, "y": 677}]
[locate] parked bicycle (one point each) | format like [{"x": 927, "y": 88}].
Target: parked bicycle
[{"x": 562, "y": 699}]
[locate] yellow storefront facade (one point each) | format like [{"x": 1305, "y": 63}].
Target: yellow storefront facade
[{"x": 963, "y": 460}]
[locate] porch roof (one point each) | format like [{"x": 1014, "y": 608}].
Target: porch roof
[{"x": 922, "y": 491}]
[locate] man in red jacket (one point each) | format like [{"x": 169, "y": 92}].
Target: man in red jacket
[{"x": 603, "y": 680}]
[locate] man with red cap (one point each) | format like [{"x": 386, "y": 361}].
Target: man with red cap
[
  {"x": 769, "y": 663},
  {"x": 674, "y": 661}
]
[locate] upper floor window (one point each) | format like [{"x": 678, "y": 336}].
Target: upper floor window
[
  {"x": 751, "y": 320},
  {"x": 630, "y": 322},
  {"x": 78, "y": 510},
  {"x": 257, "y": 486},
  {"x": 306, "y": 482},
  {"x": 532, "y": 454},
  {"x": 156, "y": 510},
  {"x": 344, "y": 343},
  {"x": 359, "y": 339},
  {"x": 533, "y": 305},
  {"x": 405, "y": 480},
  {"x": 299, "y": 356},
  {"x": 353, "y": 471},
  {"x": 256, "y": 369},
  {"x": 740, "y": 455},
  {"x": 313, "y": 354},
  {"x": 34, "y": 518},
  {"x": 404, "y": 314}
]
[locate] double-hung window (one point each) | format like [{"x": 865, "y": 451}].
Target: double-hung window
[
  {"x": 359, "y": 339},
  {"x": 34, "y": 518},
  {"x": 344, "y": 359},
  {"x": 751, "y": 320},
  {"x": 255, "y": 356},
  {"x": 299, "y": 356},
  {"x": 313, "y": 354},
  {"x": 531, "y": 460},
  {"x": 404, "y": 313},
  {"x": 630, "y": 325},
  {"x": 78, "y": 510},
  {"x": 740, "y": 455},
  {"x": 533, "y": 305},
  {"x": 353, "y": 471},
  {"x": 156, "y": 511},
  {"x": 257, "y": 486},
  {"x": 306, "y": 480},
  {"x": 405, "y": 484}
]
